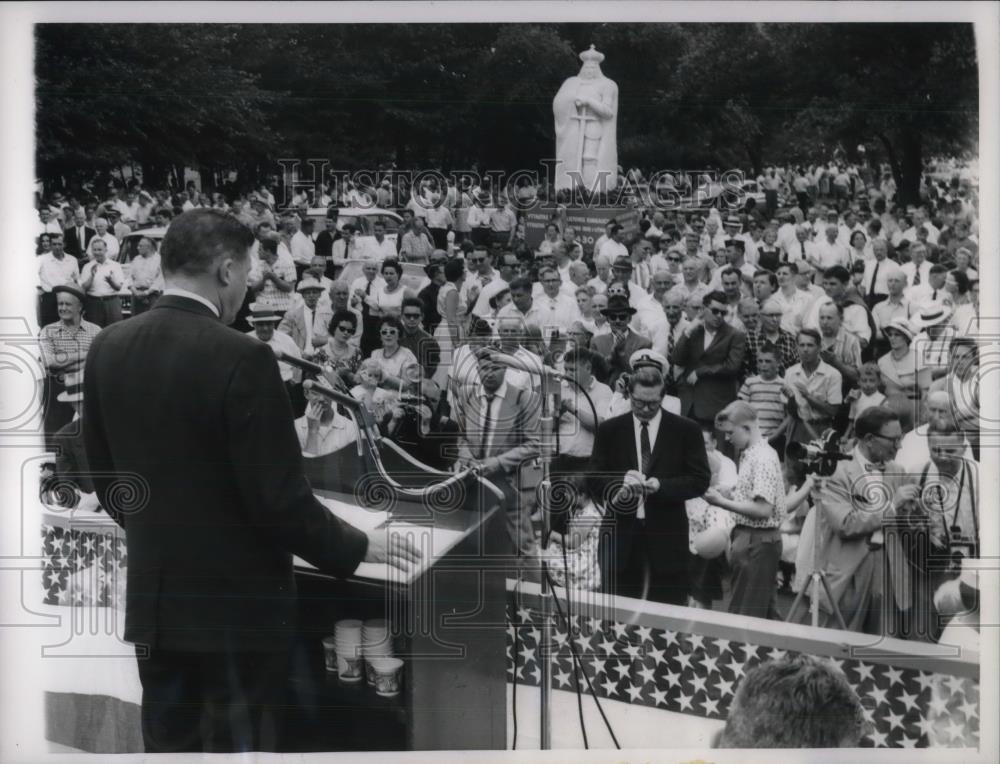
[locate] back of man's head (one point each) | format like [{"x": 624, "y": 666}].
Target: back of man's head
[
  {"x": 198, "y": 238},
  {"x": 799, "y": 702}
]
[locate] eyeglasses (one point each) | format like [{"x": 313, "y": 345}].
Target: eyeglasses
[
  {"x": 647, "y": 405},
  {"x": 895, "y": 441}
]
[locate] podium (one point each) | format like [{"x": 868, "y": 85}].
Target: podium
[{"x": 447, "y": 618}]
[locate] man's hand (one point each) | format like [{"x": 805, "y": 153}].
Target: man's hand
[
  {"x": 314, "y": 413},
  {"x": 386, "y": 546},
  {"x": 905, "y": 494}
]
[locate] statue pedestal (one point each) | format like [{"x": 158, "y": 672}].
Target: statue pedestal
[{"x": 587, "y": 221}]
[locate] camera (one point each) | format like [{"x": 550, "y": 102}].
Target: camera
[
  {"x": 820, "y": 456},
  {"x": 960, "y": 545}
]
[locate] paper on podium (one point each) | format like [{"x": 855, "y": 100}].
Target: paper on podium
[{"x": 432, "y": 542}]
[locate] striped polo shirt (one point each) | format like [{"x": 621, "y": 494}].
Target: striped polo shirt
[{"x": 767, "y": 399}]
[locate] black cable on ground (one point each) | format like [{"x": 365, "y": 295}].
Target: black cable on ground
[{"x": 576, "y": 660}]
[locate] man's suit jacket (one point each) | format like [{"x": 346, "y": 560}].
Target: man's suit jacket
[
  {"x": 294, "y": 324},
  {"x": 515, "y": 431},
  {"x": 72, "y": 243},
  {"x": 515, "y": 435},
  {"x": 718, "y": 368},
  {"x": 850, "y": 514},
  {"x": 193, "y": 416},
  {"x": 680, "y": 464},
  {"x": 604, "y": 345}
]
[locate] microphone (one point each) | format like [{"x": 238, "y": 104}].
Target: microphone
[
  {"x": 342, "y": 398},
  {"x": 299, "y": 363}
]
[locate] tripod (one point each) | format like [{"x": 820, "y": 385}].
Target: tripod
[{"x": 817, "y": 578}]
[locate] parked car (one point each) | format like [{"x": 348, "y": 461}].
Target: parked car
[
  {"x": 127, "y": 252},
  {"x": 362, "y": 218}
]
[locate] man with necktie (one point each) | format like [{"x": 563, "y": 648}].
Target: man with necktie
[
  {"x": 646, "y": 464},
  {"x": 500, "y": 428}
]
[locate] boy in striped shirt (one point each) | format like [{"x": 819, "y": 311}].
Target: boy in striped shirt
[{"x": 763, "y": 391}]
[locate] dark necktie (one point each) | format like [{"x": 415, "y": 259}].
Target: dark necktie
[
  {"x": 486, "y": 424},
  {"x": 644, "y": 449},
  {"x": 670, "y": 355}
]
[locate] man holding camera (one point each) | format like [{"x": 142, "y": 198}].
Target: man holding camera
[{"x": 870, "y": 576}]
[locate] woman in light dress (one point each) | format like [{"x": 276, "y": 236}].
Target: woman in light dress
[{"x": 449, "y": 332}]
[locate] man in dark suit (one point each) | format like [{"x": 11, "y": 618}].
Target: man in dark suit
[
  {"x": 618, "y": 346},
  {"x": 201, "y": 428},
  {"x": 646, "y": 464},
  {"x": 500, "y": 429},
  {"x": 78, "y": 236},
  {"x": 710, "y": 357}
]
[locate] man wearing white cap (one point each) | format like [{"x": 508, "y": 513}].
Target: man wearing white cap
[
  {"x": 645, "y": 358},
  {"x": 306, "y": 322}
]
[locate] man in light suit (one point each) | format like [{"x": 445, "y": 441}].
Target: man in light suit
[
  {"x": 867, "y": 568},
  {"x": 621, "y": 342},
  {"x": 645, "y": 465},
  {"x": 499, "y": 435},
  {"x": 711, "y": 359},
  {"x": 308, "y": 322}
]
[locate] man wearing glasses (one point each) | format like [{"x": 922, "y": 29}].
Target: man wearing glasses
[
  {"x": 649, "y": 463},
  {"x": 415, "y": 339},
  {"x": 867, "y": 570},
  {"x": 621, "y": 342},
  {"x": 711, "y": 359}
]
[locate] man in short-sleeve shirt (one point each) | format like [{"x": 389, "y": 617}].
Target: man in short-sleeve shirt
[{"x": 758, "y": 501}]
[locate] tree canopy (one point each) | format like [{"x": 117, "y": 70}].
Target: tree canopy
[{"x": 692, "y": 96}]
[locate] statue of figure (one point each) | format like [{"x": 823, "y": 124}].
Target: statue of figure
[{"x": 586, "y": 116}]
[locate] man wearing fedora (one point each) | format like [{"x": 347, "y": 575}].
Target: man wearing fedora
[
  {"x": 621, "y": 342},
  {"x": 934, "y": 335},
  {"x": 203, "y": 421}
]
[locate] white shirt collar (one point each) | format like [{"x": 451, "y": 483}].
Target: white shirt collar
[
  {"x": 501, "y": 392},
  {"x": 178, "y": 292},
  {"x": 653, "y": 423}
]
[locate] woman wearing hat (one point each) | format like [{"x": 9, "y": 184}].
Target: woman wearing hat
[
  {"x": 904, "y": 383},
  {"x": 64, "y": 345}
]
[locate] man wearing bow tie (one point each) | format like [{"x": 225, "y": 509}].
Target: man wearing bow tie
[{"x": 869, "y": 575}]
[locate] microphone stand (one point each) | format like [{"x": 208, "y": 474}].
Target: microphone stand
[{"x": 549, "y": 423}]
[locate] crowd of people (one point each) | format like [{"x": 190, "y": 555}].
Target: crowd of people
[{"x": 689, "y": 352}]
